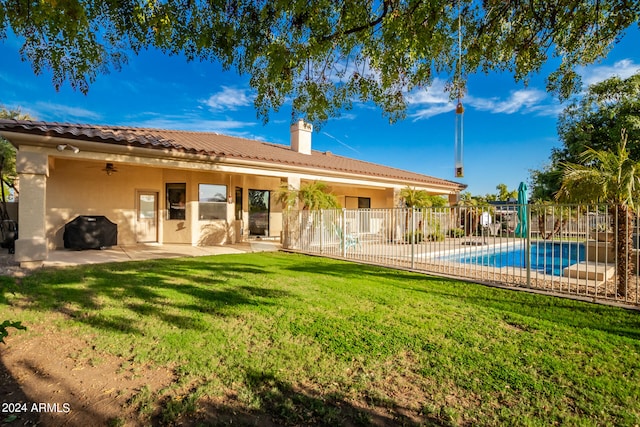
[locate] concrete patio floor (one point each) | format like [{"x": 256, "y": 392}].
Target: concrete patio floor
[{"x": 63, "y": 257}]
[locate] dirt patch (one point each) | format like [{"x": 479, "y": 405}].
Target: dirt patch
[{"x": 53, "y": 379}]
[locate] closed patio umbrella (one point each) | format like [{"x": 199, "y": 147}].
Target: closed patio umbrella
[{"x": 521, "y": 229}]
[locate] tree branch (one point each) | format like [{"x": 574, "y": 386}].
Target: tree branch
[{"x": 370, "y": 24}]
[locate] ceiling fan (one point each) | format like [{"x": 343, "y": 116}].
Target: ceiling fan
[{"x": 110, "y": 169}]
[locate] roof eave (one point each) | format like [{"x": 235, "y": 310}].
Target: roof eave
[{"x": 101, "y": 145}]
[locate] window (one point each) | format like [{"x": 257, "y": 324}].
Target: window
[
  {"x": 212, "y": 201},
  {"x": 176, "y": 200},
  {"x": 238, "y": 203},
  {"x": 357, "y": 202},
  {"x": 364, "y": 203}
]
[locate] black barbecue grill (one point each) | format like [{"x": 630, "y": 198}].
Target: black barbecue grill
[{"x": 90, "y": 232}]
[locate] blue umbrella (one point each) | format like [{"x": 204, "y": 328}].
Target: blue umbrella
[{"x": 521, "y": 229}]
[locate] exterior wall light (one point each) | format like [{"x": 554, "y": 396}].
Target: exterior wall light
[{"x": 62, "y": 147}]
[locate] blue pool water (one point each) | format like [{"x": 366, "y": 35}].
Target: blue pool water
[{"x": 547, "y": 257}]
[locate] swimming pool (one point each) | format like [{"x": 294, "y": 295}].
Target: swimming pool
[{"x": 546, "y": 257}]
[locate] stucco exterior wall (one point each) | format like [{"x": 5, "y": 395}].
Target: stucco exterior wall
[
  {"x": 275, "y": 209},
  {"x": 82, "y": 188},
  {"x": 378, "y": 198}
]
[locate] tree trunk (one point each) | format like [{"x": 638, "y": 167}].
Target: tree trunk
[
  {"x": 542, "y": 225},
  {"x": 3, "y": 209},
  {"x": 557, "y": 226},
  {"x": 624, "y": 247}
]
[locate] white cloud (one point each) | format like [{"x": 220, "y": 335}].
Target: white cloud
[
  {"x": 549, "y": 110},
  {"x": 345, "y": 116},
  {"x": 434, "y": 100},
  {"x": 523, "y": 100},
  {"x": 228, "y": 127},
  {"x": 61, "y": 113},
  {"x": 526, "y": 101},
  {"x": 594, "y": 74},
  {"x": 229, "y": 99},
  {"x": 10, "y": 81},
  {"x": 434, "y": 94},
  {"x": 434, "y": 110}
]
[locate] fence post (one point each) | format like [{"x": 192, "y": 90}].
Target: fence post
[
  {"x": 300, "y": 241},
  {"x": 527, "y": 252},
  {"x": 344, "y": 232},
  {"x": 413, "y": 237},
  {"x": 321, "y": 229}
]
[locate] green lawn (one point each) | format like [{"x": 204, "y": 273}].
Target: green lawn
[{"x": 302, "y": 340}]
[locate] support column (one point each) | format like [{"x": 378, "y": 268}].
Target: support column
[
  {"x": 454, "y": 210},
  {"x": 31, "y": 246},
  {"x": 291, "y": 223}
]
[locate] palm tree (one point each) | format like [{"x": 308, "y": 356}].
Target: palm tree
[
  {"x": 414, "y": 199},
  {"x": 545, "y": 209},
  {"x": 312, "y": 196},
  {"x": 317, "y": 195},
  {"x": 614, "y": 178}
]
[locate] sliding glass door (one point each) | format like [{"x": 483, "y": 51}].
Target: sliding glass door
[{"x": 259, "y": 212}]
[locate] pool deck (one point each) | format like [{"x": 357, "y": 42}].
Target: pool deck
[{"x": 597, "y": 271}]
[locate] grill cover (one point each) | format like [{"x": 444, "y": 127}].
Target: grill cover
[{"x": 90, "y": 232}]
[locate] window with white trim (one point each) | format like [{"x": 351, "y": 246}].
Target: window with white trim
[{"x": 212, "y": 201}]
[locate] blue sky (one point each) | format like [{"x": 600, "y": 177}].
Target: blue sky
[{"x": 509, "y": 128}]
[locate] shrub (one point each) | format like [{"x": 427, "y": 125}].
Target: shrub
[
  {"x": 456, "y": 232},
  {"x": 419, "y": 236},
  {"x": 435, "y": 237}
]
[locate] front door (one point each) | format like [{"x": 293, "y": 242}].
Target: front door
[{"x": 147, "y": 217}]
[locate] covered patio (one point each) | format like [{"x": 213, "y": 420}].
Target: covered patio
[{"x": 139, "y": 252}]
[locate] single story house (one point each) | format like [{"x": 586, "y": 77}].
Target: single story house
[{"x": 169, "y": 186}]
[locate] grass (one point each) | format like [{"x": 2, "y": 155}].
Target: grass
[{"x": 301, "y": 340}]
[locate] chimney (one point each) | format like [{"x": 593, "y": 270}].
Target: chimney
[{"x": 301, "y": 137}]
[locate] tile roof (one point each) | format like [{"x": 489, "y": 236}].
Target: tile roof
[{"x": 213, "y": 144}]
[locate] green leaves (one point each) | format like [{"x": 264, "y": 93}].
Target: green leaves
[
  {"x": 594, "y": 122},
  {"x": 414, "y": 198},
  {"x": 323, "y": 54},
  {"x": 6, "y": 325},
  {"x": 313, "y": 195},
  {"x": 610, "y": 176}
]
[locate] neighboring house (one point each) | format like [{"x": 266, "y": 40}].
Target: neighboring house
[{"x": 170, "y": 186}]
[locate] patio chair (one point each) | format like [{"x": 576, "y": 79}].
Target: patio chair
[
  {"x": 494, "y": 229},
  {"x": 350, "y": 240}
]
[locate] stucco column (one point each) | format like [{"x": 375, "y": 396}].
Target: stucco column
[
  {"x": 294, "y": 183},
  {"x": 291, "y": 225},
  {"x": 31, "y": 246}
]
